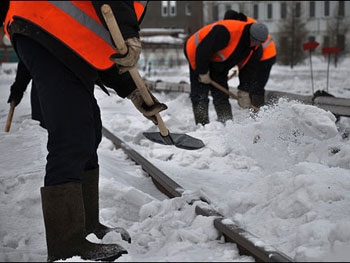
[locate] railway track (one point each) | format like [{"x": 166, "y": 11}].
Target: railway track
[
  {"x": 338, "y": 106},
  {"x": 247, "y": 243}
]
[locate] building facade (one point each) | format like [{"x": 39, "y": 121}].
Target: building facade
[
  {"x": 163, "y": 30},
  {"x": 322, "y": 18},
  {"x": 184, "y": 16},
  {"x": 327, "y": 22}
]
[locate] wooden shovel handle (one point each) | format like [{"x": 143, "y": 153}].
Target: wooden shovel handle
[
  {"x": 232, "y": 95},
  {"x": 122, "y": 49},
  {"x": 9, "y": 117},
  {"x": 218, "y": 86}
]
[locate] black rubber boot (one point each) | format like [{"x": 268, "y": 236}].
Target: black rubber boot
[
  {"x": 90, "y": 187},
  {"x": 224, "y": 112},
  {"x": 201, "y": 113},
  {"x": 64, "y": 219}
]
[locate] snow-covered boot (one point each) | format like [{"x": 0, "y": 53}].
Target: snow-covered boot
[
  {"x": 224, "y": 112},
  {"x": 258, "y": 100},
  {"x": 90, "y": 180},
  {"x": 64, "y": 219},
  {"x": 201, "y": 113}
]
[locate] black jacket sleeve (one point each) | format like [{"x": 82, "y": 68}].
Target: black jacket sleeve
[
  {"x": 22, "y": 79},
  {"x": 125, "y": 15},
  {"x": 129, "y": 27},
  {"x": 123, "y": 84},
  {"x": 4, "y": 6},
  {"x": 217, "y": 39}
]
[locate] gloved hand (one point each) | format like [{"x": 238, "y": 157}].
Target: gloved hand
[
  {"x": 130, "y": 59},
  {"x": 204, "y": 78},
  {"x": 243, "y": 99},
  {"x": 16, "y": 95},
  {"x": 148, "y": 112}
]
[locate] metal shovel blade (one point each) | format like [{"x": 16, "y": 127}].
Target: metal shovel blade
[{"x": 179, "y": 140}]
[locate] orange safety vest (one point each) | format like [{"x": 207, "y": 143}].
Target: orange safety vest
[
  {"x": 269, "y": 48},
  {"x": 75, "y": 23},
  {"x": 235, "y": 28}
]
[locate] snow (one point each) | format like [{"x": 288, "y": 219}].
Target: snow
[
  {"x": 283, "y": 175},
  {"x": 162, "y": 39}
]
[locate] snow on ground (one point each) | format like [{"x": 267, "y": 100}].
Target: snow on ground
[{"x": 283, "y": 175}]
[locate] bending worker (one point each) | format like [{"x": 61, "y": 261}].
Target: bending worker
[
  {"x": 254, "y": 74},
  {"x": 211, "y": 52}
]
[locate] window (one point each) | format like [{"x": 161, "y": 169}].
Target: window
[
  {"x": 172, "y": 8},
  {"x": 215, "y": 13},
  {"x": 312, "y": 9},
  {"x": 311, "y": 38},
  {"x": 341, "y": 8},
  {"x": 326, "y": 41},
  {"x": 341, "y": 42},
  {"x": 297, "y": 9},
  {"x": 269, "y": 11},
  {"x": 165, "y": 10},
  {"x": 283, "y": 10},
  {"x": 188, "y": 10},
  {"x": 326, "y": 8},
  {"x": 255, "y": 11}
]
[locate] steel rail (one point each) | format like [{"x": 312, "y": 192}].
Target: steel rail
[
  {"x": 165, "y": 184},
  {"x": 338, "y": 106}
]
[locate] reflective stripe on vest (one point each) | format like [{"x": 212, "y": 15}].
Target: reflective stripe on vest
[
  {"x": 269, "y": 49},
  {"x": 90, "y": 22},
  {"x": 75, "y": 23},
  {"x": 235, "y": 29}
]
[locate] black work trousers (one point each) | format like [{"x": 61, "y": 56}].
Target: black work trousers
[
  {"x": 200, "y": 91},
  {"x": 69, "y": 110},
  {"x": 254, "y": 76}
]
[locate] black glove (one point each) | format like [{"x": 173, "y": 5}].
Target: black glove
[
  {"x": 16, "y": 95},
  {"x": 148, "y": 112}
]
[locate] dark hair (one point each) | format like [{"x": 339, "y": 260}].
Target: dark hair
[{"x": 231, "y": 14}]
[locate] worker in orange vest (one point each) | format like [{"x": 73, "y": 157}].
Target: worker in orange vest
[
  {"x": 65, "y": 45},
  {"x": 254, "y": 74},
  {"x": 211, "y": 52}
]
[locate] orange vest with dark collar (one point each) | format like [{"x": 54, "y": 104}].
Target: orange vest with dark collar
[{"x": 234, "y": 27}]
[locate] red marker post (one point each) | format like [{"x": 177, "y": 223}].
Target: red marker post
[
  {"x": 329, "y": 51},
  {"x": 311, "y": 46}
]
